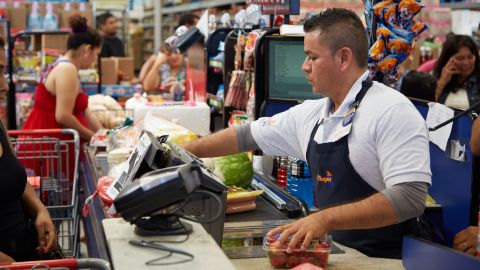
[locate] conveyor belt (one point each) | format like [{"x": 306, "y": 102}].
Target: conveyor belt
[{"x": 264, "y": 212}]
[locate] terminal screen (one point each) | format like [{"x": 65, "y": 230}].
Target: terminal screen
[{"x": 286, "y": 78}]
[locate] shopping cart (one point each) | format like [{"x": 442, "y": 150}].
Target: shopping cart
[
  {"x": 59, "y": 264},
  {"x": 50, "y": 158}
]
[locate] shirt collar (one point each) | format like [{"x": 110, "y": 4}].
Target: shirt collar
[{"x": 350, "y": 98}]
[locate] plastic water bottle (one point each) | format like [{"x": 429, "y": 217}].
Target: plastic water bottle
[
  {"x": 50, "y": 21},
  {"x": 300, "y": 183},
  {"x": 178, "y": 90},
  {"x": 34, "y": 19},
  {"x": 282, "y": 172}
]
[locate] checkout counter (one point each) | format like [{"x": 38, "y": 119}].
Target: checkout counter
[{"x": 107, "y": 238}]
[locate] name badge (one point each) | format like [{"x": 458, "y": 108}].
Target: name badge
[{"x": 348, "y": 117}]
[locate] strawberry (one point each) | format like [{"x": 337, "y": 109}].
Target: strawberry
[{"x": 277, "y": 259}]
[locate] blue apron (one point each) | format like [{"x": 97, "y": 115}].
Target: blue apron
[{"x": 338, "y": 183}]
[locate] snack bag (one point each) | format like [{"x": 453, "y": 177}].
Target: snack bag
[
  {"x": 377, "y": 51},
  {"x": 388, "y": 65},
  {"x": 377, "y": 9},
  {"x": 383, "y": 31},
  {"x": 389, "y": 15},
  {"x": 396, "y": 44},
  {"x": 406, "y": 10},
  {"x": 417, "y": 27}
]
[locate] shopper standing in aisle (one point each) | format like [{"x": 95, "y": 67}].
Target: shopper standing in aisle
[
  {"x": 18, "y": 199},
  {"x": 59, "y": 100},
  {"x": 458, "y": 73},
  {"x": 112, "y": 45},
  {"x": 372, "y": 167}
]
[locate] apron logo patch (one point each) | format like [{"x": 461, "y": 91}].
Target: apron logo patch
[{"x": 325, "y": 179}]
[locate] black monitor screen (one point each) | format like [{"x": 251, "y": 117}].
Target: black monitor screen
[{"x": 286, "y": 79}]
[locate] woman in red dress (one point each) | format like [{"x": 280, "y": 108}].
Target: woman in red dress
[
  {"x": 59, "y": 100},
  {"x": 60, "y": 103}
]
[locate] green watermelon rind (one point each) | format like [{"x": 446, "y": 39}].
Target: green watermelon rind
[{"x": 237, "y": 170}]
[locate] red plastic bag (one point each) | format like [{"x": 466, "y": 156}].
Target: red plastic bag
[{"x": 104, "y": 183}]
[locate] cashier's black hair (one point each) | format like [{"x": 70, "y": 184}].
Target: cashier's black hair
[
  {"x": 2, "y": 42},
  {"x": 340, "y": 28},
  {"x": 82, "y": 34}
]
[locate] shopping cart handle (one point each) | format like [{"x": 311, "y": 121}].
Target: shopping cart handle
[
  {"x": 70, "y": 263},
  {"x": 39, "y": 132},
  {"x": 35, "y": 131}
]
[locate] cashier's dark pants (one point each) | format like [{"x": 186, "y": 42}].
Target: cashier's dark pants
[{"x": 338, "y": 183}]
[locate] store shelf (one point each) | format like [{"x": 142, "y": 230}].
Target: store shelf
[
  {"x": 150, "y": 25},
  {"x": 199, "y": 5},
  {"x": 148, "y": 14},
  {"x": 148, "y": 39},
  {"x": 461, "y": 5}
]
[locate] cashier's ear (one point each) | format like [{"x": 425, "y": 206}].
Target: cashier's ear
[{"x": 345, "y": 58}]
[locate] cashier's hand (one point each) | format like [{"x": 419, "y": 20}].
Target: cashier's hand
[
  {"x": 308, "y": 228},
  {"x": 466, "y": 240}
]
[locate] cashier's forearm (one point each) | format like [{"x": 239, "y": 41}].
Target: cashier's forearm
[
  {"x": 221, "y": 143},
  {"x": 372, "y": 212}
]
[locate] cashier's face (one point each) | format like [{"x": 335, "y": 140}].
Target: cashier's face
[
  {"x": 319, "y": 64},
  {"x": 3, "y": 80}
]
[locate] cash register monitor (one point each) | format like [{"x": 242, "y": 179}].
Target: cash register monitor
[
  {"x": 286, "y": 79},
  {"x": 165, "y": 175}
]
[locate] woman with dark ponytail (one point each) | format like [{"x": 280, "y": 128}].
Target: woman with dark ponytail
[{"x": 59, "y": 100}]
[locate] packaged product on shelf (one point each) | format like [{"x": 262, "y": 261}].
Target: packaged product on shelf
[
  {"x": 118, "y": 90},
  {"x": 28, "y": 66},
  {"x": 49, "y": 56},
  {"x": 238, "y": 118},
  {"x": 88, "y": 75},
  {"x": 24, "y": 105}
]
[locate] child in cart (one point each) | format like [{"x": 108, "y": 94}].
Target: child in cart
[{"x": 18, "y": 202}]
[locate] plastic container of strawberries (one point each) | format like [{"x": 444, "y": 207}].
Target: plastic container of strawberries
[{"x": 316, "y": 253}]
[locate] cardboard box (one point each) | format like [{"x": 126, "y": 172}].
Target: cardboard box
[
  {"x": 108, "y": 71},
  {"x": 18, "y": 18},
  {"x": 57, "y": 42},
  {"x": 126, "y": 65},
  {"x": 65, "y": 16}
]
